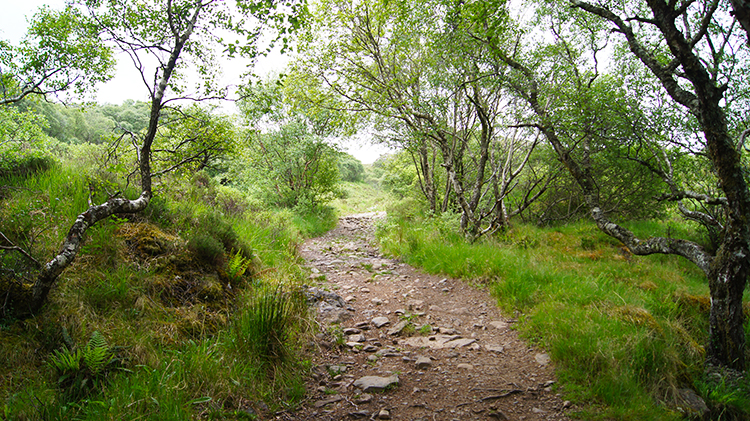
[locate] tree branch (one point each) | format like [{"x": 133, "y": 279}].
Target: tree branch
[
  {"x": 680, "y": 195},
  {"x": 664, "y": 74},
  {"x": 13, "y": 247}
]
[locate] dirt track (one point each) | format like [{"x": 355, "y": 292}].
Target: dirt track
[{"x": 445, "y": 343}]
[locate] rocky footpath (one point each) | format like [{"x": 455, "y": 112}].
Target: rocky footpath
[{"x": 403, "y": 345}]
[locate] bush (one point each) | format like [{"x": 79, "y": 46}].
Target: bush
[
  {"x": 291, "y": 165},
  {"x": 351, "y": 169},
  {"x": 14, "y": 164}
]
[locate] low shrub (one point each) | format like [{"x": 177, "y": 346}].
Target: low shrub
[{"x": 24, "y": 165}]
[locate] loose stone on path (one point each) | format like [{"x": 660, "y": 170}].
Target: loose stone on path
[
  {"x": 423, "y": 362},
  {"x": 379, "y": 322},
  {"x": 375, "y": 383}
]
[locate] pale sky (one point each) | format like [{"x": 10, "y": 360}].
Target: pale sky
[
  {"x": 13, "y": 17},
  {"x": 127, "y": 83}
]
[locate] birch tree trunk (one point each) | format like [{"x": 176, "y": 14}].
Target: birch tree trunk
[{"x": 94, "y": 214}]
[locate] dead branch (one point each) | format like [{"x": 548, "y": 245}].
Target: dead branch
[{"x": 14, "y": 247}]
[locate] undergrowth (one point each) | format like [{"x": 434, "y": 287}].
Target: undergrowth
[
  {"x": 146, "y": 322},
  {"x": 626, "y": 333}
]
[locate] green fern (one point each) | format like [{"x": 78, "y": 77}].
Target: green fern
[
  {"x": 80, "y": 371},
  {"x": 237, "y": 265},
  {"x": 66, "y": 361},
  {"x": 96, "y": 355}
]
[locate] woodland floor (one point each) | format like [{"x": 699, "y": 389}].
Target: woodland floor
[{"x": 471, "y": 364}]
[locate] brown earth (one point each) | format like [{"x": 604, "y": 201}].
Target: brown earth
[{"x": 452, "y": 353}]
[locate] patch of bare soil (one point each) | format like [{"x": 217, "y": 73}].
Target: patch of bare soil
[{"x": 404, "y": 345}]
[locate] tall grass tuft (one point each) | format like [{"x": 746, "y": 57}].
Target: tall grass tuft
[
  {"x": 727, "y": 393},
  {"x": 263, "y": 327},
  {"x": 315, "y": 221}
]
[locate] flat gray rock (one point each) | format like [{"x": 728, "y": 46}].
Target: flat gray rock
[
  {"x": 388, "y": 352},
  {"x": 499, "y": 324},
  {"x": 459, "y": 343},
  {"x": 384, "y": 414},
  {"x": 324, "y": 402},
  {"x": 692, "y": 405},
  {"x": 381, "y": 321},
  {"x": 423, "y": 363},
  {"x": 363, "y": 398},
  {"x": 495, "y": 348},
  {"x": 438, "y": 341},
  {"x": 375, "y": 383},
  {"x": 400, "y": 326},
  {"x": 542, "y": 359}
]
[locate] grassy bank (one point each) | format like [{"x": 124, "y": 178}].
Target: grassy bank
[
  {"x": 625, "y": 332},
  {"x": 192, "y": 309}
]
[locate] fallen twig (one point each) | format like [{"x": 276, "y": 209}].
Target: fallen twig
[{"x": 503, "y": 395}]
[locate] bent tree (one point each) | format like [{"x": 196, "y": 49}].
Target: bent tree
[
  {"x": 692, "y": 51},
  {"x": 165, "y": 40},
  {"x": 695, "y": 55}
]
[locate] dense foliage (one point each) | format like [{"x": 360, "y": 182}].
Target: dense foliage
[{"x": 291, "y": 167}]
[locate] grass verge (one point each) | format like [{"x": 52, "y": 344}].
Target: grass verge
[
  {"x": 626, "y": 333},
  {"x": 361, "y": 198}
]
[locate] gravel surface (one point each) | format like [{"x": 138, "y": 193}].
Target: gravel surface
[{"x": 403, "y": 345}]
